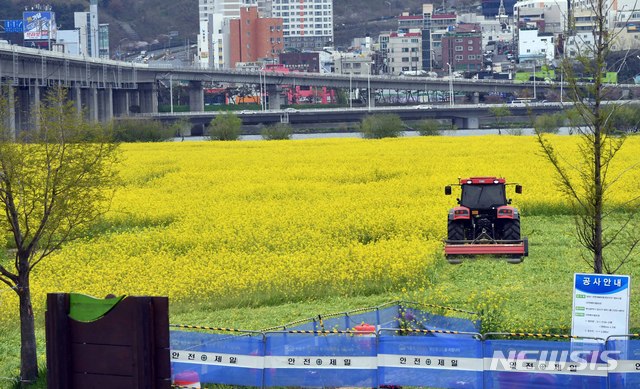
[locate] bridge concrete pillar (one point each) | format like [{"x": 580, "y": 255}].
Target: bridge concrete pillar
[
  {"x": 476, "y": 98},
  {"x": 11, "y": 113},
  {"x": 121, "y": 102},
  {"x": 274, "y": 92},
  {"x": 93, "y": 107},
  {"x": 148, "y": 97},
  {"x": 106, "y": 104},
  {"x": 75, "y": 94},
  {"x": 22, "y": 114},
  {"x": 468, "y": 123},
  {"x": 458, "y": 122},
  {"x": 34, "y": 105},
  {"x": 196, "y": 96},
  {"x": 473, "y": 123},
  {"x": 134, "y": 101}
]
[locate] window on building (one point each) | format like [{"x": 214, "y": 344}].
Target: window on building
[
  {"x": 459, "y": 57},
  {"x": 469, "y": 48},
  {"x": 459, "y": 48},
  {"x": 471, "y": 57},
  {"x": 459, "y": 40},
  {"x": 405, "y": 59}
]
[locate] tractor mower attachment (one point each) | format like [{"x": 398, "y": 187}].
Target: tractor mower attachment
[{"x": 484, "y": 223}]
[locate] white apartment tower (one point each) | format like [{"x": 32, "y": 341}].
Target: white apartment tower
[
  {"x": 210, "y": 37},
  {"x": 87, "y": 24},
  {"x": 230, "y": 9},
  {"x": 214, "y": 17},
  {"x": 308, "y": 24}
]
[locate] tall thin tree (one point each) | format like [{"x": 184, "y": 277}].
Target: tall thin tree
[
  {"x": 589, "y": 182},
  {"x": 55, "y": 181}
]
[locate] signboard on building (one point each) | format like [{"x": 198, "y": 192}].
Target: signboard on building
[
  {"x": 13, "y": 26},
  {"x": 600, "y": 305},
  {"x": 39, "y": 25}
]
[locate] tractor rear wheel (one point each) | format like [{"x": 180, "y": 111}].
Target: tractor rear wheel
[
  {"x": 511, "y": 230},
  {"x": 455, "y": 231}
]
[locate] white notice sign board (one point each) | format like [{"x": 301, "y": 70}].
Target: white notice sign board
[{"x": 600, "y": 305}]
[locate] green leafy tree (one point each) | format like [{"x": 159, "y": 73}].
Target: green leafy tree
[
  {"x": 549, "y": 124},
  {"x": 382, "y": 126},
  {"x": 625, "y": 119},
  {"x": 142, "y": 130},
  {"x": 590, "y": 182},
  {"x": 225, "y": 126},
  {"x": 278, "y": 131},
  {"x": 428, "y": 127},
  {"x": 499, "y": 113},
  {"x": 181, "y": 127},
  {"x": 56, "y": 180}
]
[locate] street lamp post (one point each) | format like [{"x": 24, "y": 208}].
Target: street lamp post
[
  {"x": 433, "y": 52},
  {"x": 369, "y": 85},
  {"x": 561, "y": 81},
  {"x": 350, "y": 90},
  {"x": 534, "y": 79},
  {"x": 450, "y": 85},
  {"x": 171, "y": 90}
]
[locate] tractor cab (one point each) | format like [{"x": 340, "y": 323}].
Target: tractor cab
[
  {"x": 484, "y": 222},
  {"x": 483, "y": 193}
]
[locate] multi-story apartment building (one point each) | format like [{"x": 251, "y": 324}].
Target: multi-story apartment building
[
  {"x": 94, "y": 37},
  {"x": 535, "y": 46},
  {"x": 462, "y": 48},
  {"x": 548, "y": 15},
  {"x": 227, "y": 8},
  {"x": 408, "y": 22},
  {"x": 308, "y": 24},
  {"x": 493, "y": 30},
  {"x": 432, "y": 26},
  {"x": 253, "y": 39},
  {"x": 211, "y": 41},
  {"x": 354, "y": 63},
  {"x": 404, "y": 52},
  {"x": 440, "y": 24},
  {"x": 214, "y": 16}
]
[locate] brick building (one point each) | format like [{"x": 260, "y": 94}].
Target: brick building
[
  {"x": 462, "y": 48},
  {"x": 252, "y": 39}
]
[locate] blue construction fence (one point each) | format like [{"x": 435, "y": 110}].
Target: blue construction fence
[{"x": 407, "y": 346}]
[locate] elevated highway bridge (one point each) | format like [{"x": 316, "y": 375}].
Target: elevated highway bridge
[{"x": 104, "y": 89}]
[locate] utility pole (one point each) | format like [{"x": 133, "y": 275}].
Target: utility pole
[{"x": 450, "y": 85}]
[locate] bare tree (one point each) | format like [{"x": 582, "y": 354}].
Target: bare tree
[
  {"x": 55, "y": 181},
  {"x": 589, "y": 182}
]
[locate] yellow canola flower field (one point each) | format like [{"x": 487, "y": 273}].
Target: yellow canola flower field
[{"x": 228, "y": 223}]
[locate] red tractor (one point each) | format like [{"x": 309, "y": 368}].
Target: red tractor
[{"x": 484, "y": 223}]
